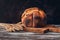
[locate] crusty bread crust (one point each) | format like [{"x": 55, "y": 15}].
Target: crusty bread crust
[{"x": 11, "y": 27}]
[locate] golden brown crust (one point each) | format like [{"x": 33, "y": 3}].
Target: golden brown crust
[
  {"x": 48, "y": 28},
  {"x": 11, "y": 27},
  {"x": 30, "y": 12}
]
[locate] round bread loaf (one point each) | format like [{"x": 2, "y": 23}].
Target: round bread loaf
[{"x": 34, "y": 17}]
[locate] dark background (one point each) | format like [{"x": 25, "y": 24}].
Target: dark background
[{"x": 11, "y": 10}]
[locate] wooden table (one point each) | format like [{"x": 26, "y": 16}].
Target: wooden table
[{"x": 28, "y": 36}]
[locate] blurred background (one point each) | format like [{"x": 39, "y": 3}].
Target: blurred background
[{"x": 11, "y": 10}]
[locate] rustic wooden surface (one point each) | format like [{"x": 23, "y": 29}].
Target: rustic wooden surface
[{"x": 28, "y": 36}]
